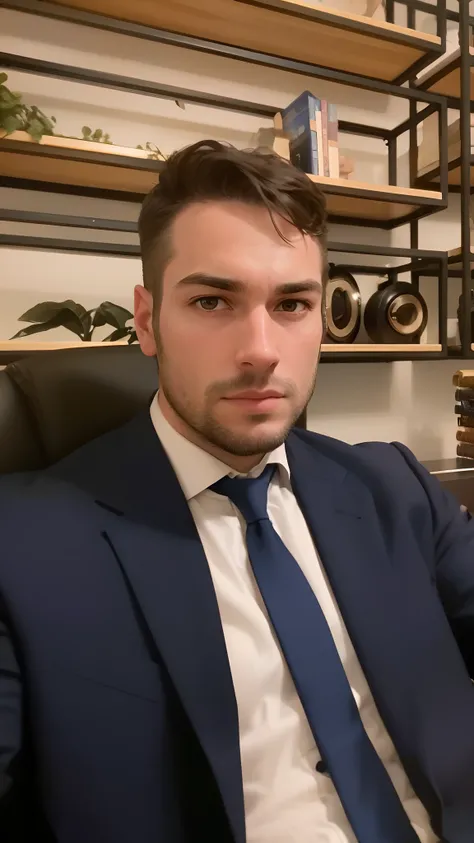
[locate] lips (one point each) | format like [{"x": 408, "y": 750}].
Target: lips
[{"x": 254, "y": 395}]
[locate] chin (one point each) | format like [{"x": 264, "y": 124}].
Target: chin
[
  {"x": 257, "y": 429},
  {"x": 252, "y": 432}
]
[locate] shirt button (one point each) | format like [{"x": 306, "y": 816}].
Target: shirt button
[{"x": 321, "y": 768}]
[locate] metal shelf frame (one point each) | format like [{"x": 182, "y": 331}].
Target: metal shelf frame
[
  {"x": 465, "y": 22},
  {"x": 464, "y": 163},
  {"x": 417, "y": 260}
]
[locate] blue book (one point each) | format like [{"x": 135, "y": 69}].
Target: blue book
[{"x": 302, "y": 122}]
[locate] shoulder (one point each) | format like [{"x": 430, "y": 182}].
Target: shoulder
[
  {"x": 35, "y": 506},
  {"x": 387, "y": 469},
  {"x": 380, "y": 456}
]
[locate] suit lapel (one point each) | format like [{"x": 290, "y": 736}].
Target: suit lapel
[
  {"x": 380, "y": 613},
  {"x": 163, "y": 561}
]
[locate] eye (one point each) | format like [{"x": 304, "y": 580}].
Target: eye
[
  {"x": 209, "y": 303},
  {"x": 294, "y": 306}
]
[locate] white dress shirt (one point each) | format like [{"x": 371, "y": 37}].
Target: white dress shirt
[{"x": 286, "y": 799}]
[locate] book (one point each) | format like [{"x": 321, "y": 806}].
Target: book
[
  {"x": 333, "y": 142},
  {"x": 318, "y": 125},
  {"x": 465, "y": 449},
  {"x": 465, "y": 434},
  {"x": 464, "y": 393},
  {"x": 461, "y": 410},
  {"x": 325, "y": 120},
  {"x": 464, "y": 377},
  {"x": 466, "y": 404},
  {"x": 302, "y": 123},
  {"x": 465, "y": 421}
]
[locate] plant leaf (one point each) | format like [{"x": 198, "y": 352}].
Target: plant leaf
[
  {"x": 87, "y": 325},
  {"x": 11, "y": 124},
  {"x": 114, "y": 314},
  {"x": 98, "y": 319},
  {"x": 9, "y": 99},
  {"x": 63, "y": 319},
  {"x": 46, "y": 310},
  {"x": 3, "y": 78},
  {"x": 119, "y": 334},
  {"x": 35, "y": 128},
  {"x": 86, "y": 131}
]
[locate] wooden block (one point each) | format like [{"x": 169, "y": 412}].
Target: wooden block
[
  {"x": 276, "y": 140},
  {"x": 346, "y": 166},
  {"x": 371, "y": 8},
  {"x": 278, "y": 122}
]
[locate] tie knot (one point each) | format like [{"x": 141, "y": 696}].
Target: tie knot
[{"x": 249, "y": 494}]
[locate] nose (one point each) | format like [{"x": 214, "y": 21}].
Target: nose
[{"x": 257, "y": 341}]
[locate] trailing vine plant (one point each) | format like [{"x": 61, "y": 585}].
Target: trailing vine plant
[{"x": 17, "y": 116}]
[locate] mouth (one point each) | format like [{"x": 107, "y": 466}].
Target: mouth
[{"x": 256, "y": 401}]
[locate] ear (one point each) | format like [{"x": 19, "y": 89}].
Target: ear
[{"x": 143, "y": 307}]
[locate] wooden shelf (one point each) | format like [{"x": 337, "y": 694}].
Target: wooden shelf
[
  {"x": 77, "y": 163},
  {"x": 347, "y": 199},
  {"x": 45, "y": 345},
  {"x": 445, "y": 77},
  {"x": 357, "y": 348},
  {"x": 454, "y": 259},
  {"x": 430, "y": 176},
  {"x": 292, "y": 29},
  {"x": 342, "y": 348},
  {"x": 11, "y": 350}
]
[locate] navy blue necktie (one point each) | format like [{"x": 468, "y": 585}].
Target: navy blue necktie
[{"x": 363, "y": 785}]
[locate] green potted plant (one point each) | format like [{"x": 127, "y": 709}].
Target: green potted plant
[
  {"x": 16, "y": 116},
  {"x": 71, "y": 315}
]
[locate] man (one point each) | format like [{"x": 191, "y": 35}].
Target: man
[{"x": 217, "y": 628}]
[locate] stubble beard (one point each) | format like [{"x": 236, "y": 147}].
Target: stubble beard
[{"x": 203, "y": 424}]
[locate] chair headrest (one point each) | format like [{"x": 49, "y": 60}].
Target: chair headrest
[{"x": 69, "y": 397}]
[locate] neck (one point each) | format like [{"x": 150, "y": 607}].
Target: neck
[{"x": 240, "y": 464}]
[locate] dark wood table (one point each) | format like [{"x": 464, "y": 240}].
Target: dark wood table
[{"x": 457, "y": 475}]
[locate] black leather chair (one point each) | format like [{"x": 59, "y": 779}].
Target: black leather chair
[{"x": 53, "y": 402}]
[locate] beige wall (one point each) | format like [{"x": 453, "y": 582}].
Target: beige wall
[{"x": 409, "y": 402}]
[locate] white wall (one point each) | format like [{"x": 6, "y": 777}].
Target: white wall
[{"x": 411, "y": 402}]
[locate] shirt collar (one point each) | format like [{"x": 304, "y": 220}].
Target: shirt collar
[{"x": 195, "y": 469}]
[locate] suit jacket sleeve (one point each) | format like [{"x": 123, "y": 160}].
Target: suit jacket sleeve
[{"x": 453, "y": 534}]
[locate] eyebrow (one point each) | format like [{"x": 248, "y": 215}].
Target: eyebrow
[{"x": 232, "y": 285}]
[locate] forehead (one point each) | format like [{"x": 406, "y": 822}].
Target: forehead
[{"x": 238, "y": 240}]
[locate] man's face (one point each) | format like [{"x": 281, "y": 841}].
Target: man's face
[{"x": 238, "y": 329}]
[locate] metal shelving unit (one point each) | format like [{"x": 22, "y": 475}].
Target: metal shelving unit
[
  {"x": 453, "y": 78},
  {"x": 378, "y": 56}
]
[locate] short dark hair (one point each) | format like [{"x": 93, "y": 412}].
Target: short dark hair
[{"x": 212, "y": 171}]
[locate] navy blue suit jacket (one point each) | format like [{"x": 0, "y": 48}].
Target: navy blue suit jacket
[{"x": 118, "y": 719}]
